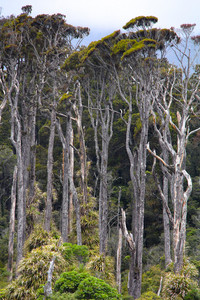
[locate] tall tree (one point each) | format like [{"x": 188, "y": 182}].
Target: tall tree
[
  {"x": 178, "y": 92},
  {"x": 98, "y": 85},
  {"x": 138, "y": 52},
  {"x": 101, "y": 88},
  {"x": 55, "y": 38}
]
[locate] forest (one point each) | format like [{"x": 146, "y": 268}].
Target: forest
[{"x": 99, "y": 161}]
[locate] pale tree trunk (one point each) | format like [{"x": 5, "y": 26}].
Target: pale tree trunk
[
  {"x": 28, "y": 153},
  {"x": 12, "y": 224},
  {"x": 103, "y": 192},
  {"x": 78, "y": 109},
  {"x": 65, "y": 201},
  {"x": 132, "y": 247},
  {"x": 73, "y": 192},
  {"x": 180, "y": 202},
  {"x": 180, "y": 191},
  {"x": 166, "y": 222},
  {"x": 77, "y": 210},
  {"x": 164, "y": 191},
  {"x": 65, "y": 182},
  {"x": 119, "y": 247},
  {"x": 16, "y": 138},
  {"x": 48, "y": 208},
  {"x": 119, "y": 261},
  {"x": 20, "y": 199},
  {"x": 103, "y": 120},
  {"x": 135, "y": 274},
  {"x": 71, "y": 188},
  {"x": 71, "y": 168},
  {"x": 4, "y": 91},
  {"x": 32, "y": 156},
  {"x": 137, "y": 158}
]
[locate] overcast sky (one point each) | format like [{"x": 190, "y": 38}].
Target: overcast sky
[{"x": 105, "y": 16}]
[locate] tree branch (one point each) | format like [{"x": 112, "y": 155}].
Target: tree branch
[{"x": 128, "y": 236}]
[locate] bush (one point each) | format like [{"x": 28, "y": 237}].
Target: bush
[
  {"x": 102, "y": 267},
  {"x": 58, "y": 296},
  {"x": 69, "y": 281},
  {"x": 149, "y": 296},
  {"x": 34, "y": 266},
  {"x": 95, "y": 288},
  {"x": 194, "y": 294},
  {"x": 151, "y": 279},
  {"x": 74, "y": 252},
  {"x": 182, "y": 284}
]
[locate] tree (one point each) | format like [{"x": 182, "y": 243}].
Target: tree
[
  {"x": 138, "y": 52},
  {"x": 179, "y": 92},
  {"x": 19, "y": 85},
  {"x": 55, "y": 37},
  {"x": 100, "y": 88}
]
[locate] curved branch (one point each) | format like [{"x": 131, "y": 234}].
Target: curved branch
[{"x": 128, "y": 236}]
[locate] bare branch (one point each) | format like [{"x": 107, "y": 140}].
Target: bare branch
[
  {"x": 158, "y": 157},
  {"x": 128, "y": 236}
]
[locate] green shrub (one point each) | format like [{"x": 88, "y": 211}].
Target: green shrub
[
  {"x": 194, "y": 294},
  {"x": 151, "y": 279},
  {"x": 58, "y": 296},
  {"x": 69, "y": 281},
  {"x": 149, "y": 296},
  {"x": 74, "y": 252},
  {"x": 33, "y": 268},
  {"x": 102, "y": 267},
  {"x": 180, "y": 285},
  {"x": 95, "y": 288}
]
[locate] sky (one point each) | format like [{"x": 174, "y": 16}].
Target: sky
[{"x": 105, "y": 16}]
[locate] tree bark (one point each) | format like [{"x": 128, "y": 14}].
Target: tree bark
[
  {"x": 16, "y": 139},
  {"x": 65, "y": 182},
  {"x": 137, "y": 160},
  {"x": 12, "y": 224},
  {"x": 78, "y": 109},
  {"x": 48, "y": 209},
  {"x": 166, "y": 224},
  {"x": 71, "y": 168},
  {"x": 119, "y": 260}
]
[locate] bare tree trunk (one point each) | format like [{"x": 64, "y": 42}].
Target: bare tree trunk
[
  {"x": 32, "y": 154},
  {"x": 119, "y": 247},
  {"x": 71, "y": 168},
  {"x": 16, "y": 138},
  {"x": 119, "y": 260},
  {"x": 65, "y": 196},
  {"x": 132, "y": 279},
  {"x": 72, "y": 189},
  {"x": 65, "y": 200},
  {"x": 103, "y": 192},
  {"x": 12, "y": 224},
  {"x": 77, "y": 210},
  {"x": 48, "y": 287},
  {"x": 48, "y": 209},
  {"x": 137, "y": 160},
  {"x": 179, "y": 190},
  {"x": 78, "y": 109},
  {"x": 166, "y": 224}
]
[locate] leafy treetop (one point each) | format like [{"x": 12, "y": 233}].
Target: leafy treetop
[{"x": 141, "y": 22}]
